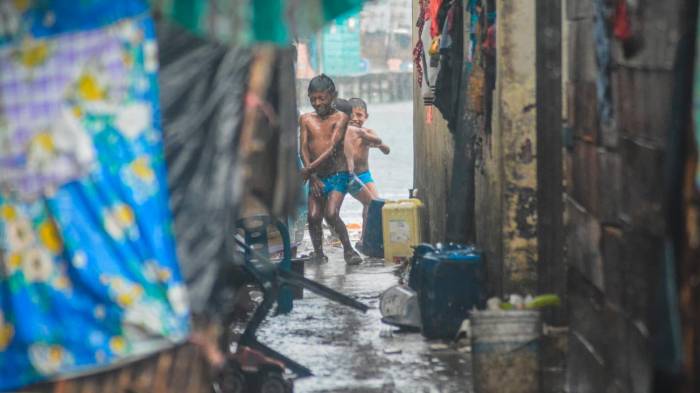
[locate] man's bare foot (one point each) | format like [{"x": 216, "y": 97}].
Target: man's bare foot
[
  {"x": 352, "y": 257},
  {"x": 318, "y": 257}
]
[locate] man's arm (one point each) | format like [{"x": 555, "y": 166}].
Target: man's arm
[
  {"x": 316, "y": 184},
  {"x": 304, "y": 147},
  {"x": 304, "y": 142},
  {"x": 336, "y": 138}
]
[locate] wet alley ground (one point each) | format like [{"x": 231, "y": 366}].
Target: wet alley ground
[{"x": 353, "y": 352}]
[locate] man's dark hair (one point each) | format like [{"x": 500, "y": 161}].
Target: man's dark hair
[
  {"x": 358, "y": 103},
  {"x": 321, "y": 83},
  {"x": 343, "y": 106}
]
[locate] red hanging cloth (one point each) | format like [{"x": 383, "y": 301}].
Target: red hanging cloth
[{"x": 433, "y": 9}]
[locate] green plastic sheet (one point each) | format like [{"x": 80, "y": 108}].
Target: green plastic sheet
[{"x": 254, "y": 21}]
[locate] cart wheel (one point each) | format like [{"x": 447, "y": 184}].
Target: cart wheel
[
  {"x": 273, "y": 382},
  {"x": 232, "y": 380}
]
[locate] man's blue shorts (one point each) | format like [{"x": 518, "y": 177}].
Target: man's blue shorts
[
  {"x": 354, "y": 187},
  {"x": 337, "y": 182}
]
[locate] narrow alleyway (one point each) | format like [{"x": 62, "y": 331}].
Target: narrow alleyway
[{"x": 352, "y": 352}]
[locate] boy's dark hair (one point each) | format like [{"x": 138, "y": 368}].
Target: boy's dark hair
[
  {"x": 343, "y": 106},
  {"x": 358, "y": 103},
  {"x": 321, "y": 83}
]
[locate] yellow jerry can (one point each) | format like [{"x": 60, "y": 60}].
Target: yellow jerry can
[{"x": 401, "y": 228}]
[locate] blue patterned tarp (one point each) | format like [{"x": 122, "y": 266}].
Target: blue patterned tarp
[{"x": 88, "y": 272}]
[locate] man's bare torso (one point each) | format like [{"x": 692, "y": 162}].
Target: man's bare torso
[{"x": 320, "y": 132}]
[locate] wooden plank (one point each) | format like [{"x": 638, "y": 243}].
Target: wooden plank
[
  {"x": 642, "y": 101},
  {"x": 145, "y": 376},
  {"x": 89, "y": 384},
  {"x": 582, "y": 66},
  {"x": 638, "y": 346},
  {"x": 164, "y": 363},
  {"x": 579, "y": 359},
  {"x": 586, "y": 177},
  {"x": 586, "y": 366},
  {"x": 583, "y": 233},
  {"x": 124, "y": 379},
  {"x": 194, "y": 384},
  {"x": 108, "y": 383},
  {"x": 184, "y": 359},
  {"x": 585, "y": 113},
  {"x": 578, "y": 9},
  {"x": 616, "y": 326},
  {"x": 642, "y": 190},
  {"x": 642, "y": 257},
  {"x": 611, "y": 247},
  {"x": 568, "y": 171},
  {"x": 609, "y": 186}
]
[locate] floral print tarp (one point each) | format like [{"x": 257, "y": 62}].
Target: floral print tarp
[{"x": 88, "y": 273}]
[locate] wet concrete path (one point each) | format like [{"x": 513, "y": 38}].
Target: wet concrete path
[{"x": 353, "y": 352}]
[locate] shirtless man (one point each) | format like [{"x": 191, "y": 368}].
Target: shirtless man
[
  {"x": 358, "y": 141},
  {"x": 321, "y": 143}
]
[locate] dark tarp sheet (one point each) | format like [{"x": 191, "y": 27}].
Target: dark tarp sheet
[{"x": 202, "y": 90}]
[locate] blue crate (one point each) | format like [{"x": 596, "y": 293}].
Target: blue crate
[{"x": 449, "y": 282}]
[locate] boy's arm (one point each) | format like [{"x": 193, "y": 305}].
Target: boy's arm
[
  {"x": 336, "y": 138},
  {"x": 377, "y": 142},
  {"x": 347, "y": 151},
  {"x": 384, "y": 148},
  {"x": 370, "y": 137}
]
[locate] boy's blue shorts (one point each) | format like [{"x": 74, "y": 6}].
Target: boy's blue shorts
[{"x": 354, "y": 187}]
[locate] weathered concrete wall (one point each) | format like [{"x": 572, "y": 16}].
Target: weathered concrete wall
[
  {"x": 507, "y": 184},
  {"x": 433, "y": 154}
]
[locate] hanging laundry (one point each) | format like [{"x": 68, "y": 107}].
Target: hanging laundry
[
  {"x": 602, "y": 34},
  {"x": 418, "y": 50},
  {"x": 89, "y": 272},
  {"x": 622, "y": 29},
  {"x": 433, "y": 11},
  {"x": 449, "y": 81}
]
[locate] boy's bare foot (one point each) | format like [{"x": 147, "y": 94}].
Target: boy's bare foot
[
  {"x": 358, "y": 247},
  {"x": 352, "y": 257}
]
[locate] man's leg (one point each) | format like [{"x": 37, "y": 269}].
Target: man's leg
[
  {"x": 315, "y": 219},
  {"x": 332, "y": 213}
]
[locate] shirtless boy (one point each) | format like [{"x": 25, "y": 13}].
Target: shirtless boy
[
  {"x": 321, "y": 143},
  {"x": 358, "y": 141}
]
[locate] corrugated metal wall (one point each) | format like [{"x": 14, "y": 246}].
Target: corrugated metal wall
[{"x": 621, "y": 114}]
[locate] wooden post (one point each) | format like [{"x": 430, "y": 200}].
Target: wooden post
[{"x": 551, "y": 267}]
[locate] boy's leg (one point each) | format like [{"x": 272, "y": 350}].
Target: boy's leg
[
  {"x": 333, "y": 204},
  {"x": 365, "y": 196},
  {"x": 315, "y": 219}
]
